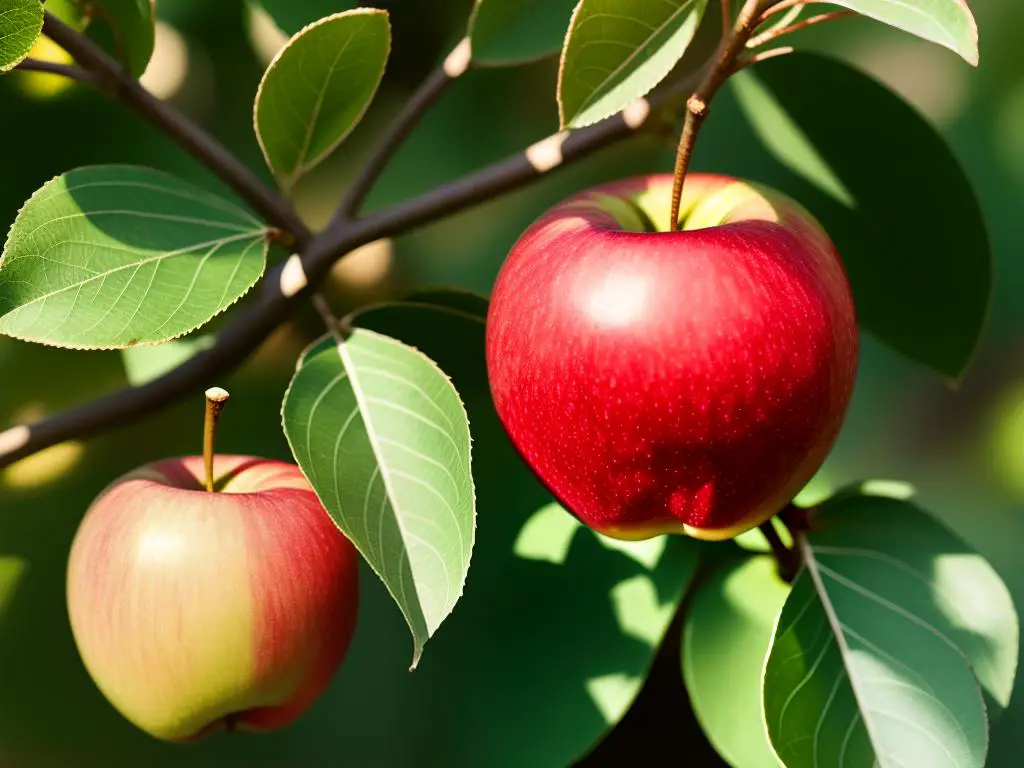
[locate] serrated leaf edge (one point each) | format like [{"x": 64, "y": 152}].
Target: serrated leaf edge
[
  {"x": 263, "y": 233},
  {"x": 39, "y": 31},
  {"x": 417, "y": 646},
  {"x": 289, "y": 179}
]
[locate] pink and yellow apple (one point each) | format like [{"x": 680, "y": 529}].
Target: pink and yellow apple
[
  {"x": 673, "y": 382},
  {"x": 195, "y": 611}
]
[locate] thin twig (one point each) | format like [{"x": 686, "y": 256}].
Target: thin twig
[
  {"x": 697, "y": 105},
  {"x": 726, "y": 14},
  {"x": 281, "y": 298},
  {"x": 69, "y": 71},
  {"x": 786, "y": 5},
  {"x": 774, "y": 34},
  {"x": 228, "y": 168},
  {"x": 407, "y": 120},
  {"x": 771, "y": 53}
]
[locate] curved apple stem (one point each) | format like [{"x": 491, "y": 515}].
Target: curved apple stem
[
  {"x": 787, "y": 560},
  {"x": 733, "y": 43},
  {"x": 216, "y": 398}
]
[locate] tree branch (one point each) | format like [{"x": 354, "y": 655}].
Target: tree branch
[
  {"x": 426, "y": 95},
  {"x": 723, "y": 66},
  {"x": 286, "y": 286},
  {"x": 69, "y": 71},
  {"x": 228, "y": 168}
]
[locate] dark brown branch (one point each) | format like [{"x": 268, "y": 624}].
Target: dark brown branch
[
  {"x": 774, "y": 34},
  {"x": 407, "y": 120},
  {"x": 69, "y": 71},
  {"x": 228, "y": 168},
  {"x": 787, "y": 560},
  {"x": 244, "y": 334},
  {"x": 723, "y": 65}
]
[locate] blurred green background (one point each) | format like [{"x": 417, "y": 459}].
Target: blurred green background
[{"x": 962, "y": 449}]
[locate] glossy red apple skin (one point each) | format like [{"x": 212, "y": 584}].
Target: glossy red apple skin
[
  {"x": 688, "y": 382},
  {"x": 197, "y": 611}
]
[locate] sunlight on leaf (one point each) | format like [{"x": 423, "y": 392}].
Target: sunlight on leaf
[
  {"x": 617, "y": 51},
  {"x": 383, "y": 437},
  {"x": 317, "y": 89},
  {"x": 21, "y": 21},
  {"x": 114, "y": 256}
]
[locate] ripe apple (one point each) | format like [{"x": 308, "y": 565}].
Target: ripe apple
[
  {"x": 673, "y": 382},
  {"x": 195, "y": 611}
]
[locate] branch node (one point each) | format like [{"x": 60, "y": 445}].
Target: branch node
[{"x": 697, "y": 107}]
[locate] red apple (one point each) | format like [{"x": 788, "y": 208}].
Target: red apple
[
  {"x": 673, "y": 382},
  {"x": 195, "y": 611}
]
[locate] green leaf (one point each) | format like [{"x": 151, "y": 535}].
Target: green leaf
[
  {"x": 133, "y": 24},
  {"x": 946, "y": 22},
  {"x": 383, "y": 437},
  {"x": 455, "y": 299},
  {"x": 21, "y": 22},
  {"x": 143, "y": 364},
  {"x": 725, "y": 641},
  {"x": 873, "y": 654},
  {"x": 509, "y": 32},
  {"x": 617, "y": 51},
  {"x": 318, "y": 87},
  {"x": 113, "y": 256},
  {"x": 906, "y": 221}
]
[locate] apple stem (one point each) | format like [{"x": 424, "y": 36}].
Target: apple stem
[
  {"x": 733, "y": 42},
  {"x": 787, "y": 560},
  {"x": 216, "y": 398}
]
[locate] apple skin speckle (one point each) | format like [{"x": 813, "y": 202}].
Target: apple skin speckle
[{"x": 687, "y": 382}]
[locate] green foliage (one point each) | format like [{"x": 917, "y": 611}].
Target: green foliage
[
  {"x": 725, "y": 639},
  {"x": 900, "y": 210},
  {"x": 318, "y": 88},
  {"x": 21, "y": 21},
  {"x": 132, "y": 23},
  {"x": 113, "y": 256},
  {"x": 617, "y": 51},
  {"x": 143, "y": 364},
  {"x": 879, "y": 650},
  {"x": 381, "y": 434},
  {"x": 509, "y": 32},
  {"x": 946, "y": 22}
]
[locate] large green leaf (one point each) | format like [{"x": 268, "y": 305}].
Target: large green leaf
[
  {"x": 946, "y": 22},
  {"x": 113, "y": 256},
  {"x": 133, "y": 24},
  {"x": 725, "y": 641},
  {"x": 880, "y": 647},
  {"x": 318, "y": 87},
  {"x": 509, "y": 32},
  {"x": 383, "y": 437},
  {"x": 618, "y": 50},
  {"x": 890, "y": 193},
  {"x": 21, "y": 21}
]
